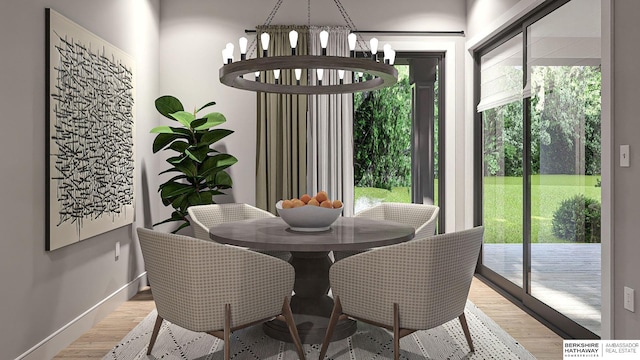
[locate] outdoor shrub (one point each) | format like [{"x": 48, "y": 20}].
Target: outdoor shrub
[{"x": 577, "y": 219}]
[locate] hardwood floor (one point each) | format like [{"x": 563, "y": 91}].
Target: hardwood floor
[{"x": 534, "y": 336}]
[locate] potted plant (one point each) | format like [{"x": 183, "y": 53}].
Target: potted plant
[{"x": 199, "y": 167}]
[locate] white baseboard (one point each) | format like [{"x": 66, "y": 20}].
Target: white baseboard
[{"x": 61, "y": 338}]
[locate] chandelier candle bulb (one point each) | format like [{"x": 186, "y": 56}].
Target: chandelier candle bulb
[
  {"x": 387, "y": 53},
  {"x": 264, "y": 39},
  {"x": 298, "y": 73},
  {"x": 374, "y": 48},
  {"x": 276, "y": 75},
  {"x": 324, "y": 40},
  {"x": 320, "y": 72},
  {"x": 352, "y": 43},
  {"x": 341, "y": 75},
  {"x": 257, "y": 74},
  {"x": 229, "y": 53},
  {"x": 227, "y": 56},
  {"x": 392, "y": 57},
  {"x": 243, "y": 47},
  {"x": 293, "y": 40}
]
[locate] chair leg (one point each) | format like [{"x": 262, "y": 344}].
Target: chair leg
[
  {"x": 396, "y": 332},
  {"x": 227, "y": 331},
  {"x": 288, "y": 316},
  {"x": 154, "y": 333},
  {"x": 335, "y": 315},
  {"x": 465, "y": 329}
]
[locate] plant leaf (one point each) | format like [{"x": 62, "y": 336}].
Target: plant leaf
[
  {"x": 216, "y": 163},
  {"x": 213, "y": 119},
  {"x": 185, "y": 118},
  {"x": 222, "y": 180},
  {"x": 167, "y": 105},
  {"x": 171, "y": 130},
  {"x": 173, "y": 189},
  {"x": 179, "y": 146},
  {"x": 198, "y": 154},
  {"x": 213, "y": 136},
  {"x": 177, "y": 159},
  {"x": 162, "y": 140},
  {"x": 211, "y": 103},
  {"x": 188, "y": 168},
  {"x": 175, "y": 178},
  {"x": 198, "y": 122},
  {"x": 224, "y": 160}
]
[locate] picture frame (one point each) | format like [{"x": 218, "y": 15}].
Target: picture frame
[{"x": 90, "y": 105}]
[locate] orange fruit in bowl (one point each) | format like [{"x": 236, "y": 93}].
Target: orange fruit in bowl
[
  {"x": 313, "y": 202},
  {"x": 298, "y": 203},
  {"x": 305, "y": 198},
  {"x": 322, "y": 196},
  {"x": 287, "y": 204},
  {"x": 326, "y": 204},
  {"x": 337, "y": 204}
]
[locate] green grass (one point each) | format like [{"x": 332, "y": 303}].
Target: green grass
[
  {"x": 396, "y": 194},
  {"x": 503, "y": 203}
]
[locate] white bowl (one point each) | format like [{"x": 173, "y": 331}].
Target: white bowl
[{"x": 308, "y": 218}]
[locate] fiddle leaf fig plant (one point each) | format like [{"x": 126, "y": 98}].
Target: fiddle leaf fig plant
[{"x": 199, "y": 168}]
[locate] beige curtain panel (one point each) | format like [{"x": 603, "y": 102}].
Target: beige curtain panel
[
  {"x": 330, "y": 126},
  {"x": 281, "y": 159}
]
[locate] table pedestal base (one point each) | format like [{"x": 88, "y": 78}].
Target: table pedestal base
[
  {"x": 311, "y": 306},
  {"x": 311, "y": 329}
]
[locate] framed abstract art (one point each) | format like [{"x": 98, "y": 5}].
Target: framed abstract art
[{"x": 90, "y": 134}]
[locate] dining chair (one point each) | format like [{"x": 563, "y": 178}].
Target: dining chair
[
  {"x": 204, "y": 286},
  {"x": 204, "y": 217},
  {"x": 416, "y": 285},
  {"x": 423, "y": 217}
]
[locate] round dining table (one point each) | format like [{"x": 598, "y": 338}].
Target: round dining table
[{"x": 311, "y": 303}]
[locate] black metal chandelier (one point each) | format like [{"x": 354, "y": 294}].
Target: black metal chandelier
[{"x": 365, "y": 73}]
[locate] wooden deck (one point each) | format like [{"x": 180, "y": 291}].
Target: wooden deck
[{"x": 563, "y": 276}]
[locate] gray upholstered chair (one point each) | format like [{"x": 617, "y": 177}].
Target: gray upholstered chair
[
  {"x": 416, "y": 285},
  {"x": 208, "y": 287},
  {"x": 204, "y": 217},
  {"x": 422, "y": 217}
]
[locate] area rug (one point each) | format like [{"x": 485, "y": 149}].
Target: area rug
[{"x": 369, "y": 342}]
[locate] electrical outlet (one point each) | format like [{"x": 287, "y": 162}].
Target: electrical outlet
[
  {"x": 628, "y": 298},
  {"x": 117, "y": 250}
]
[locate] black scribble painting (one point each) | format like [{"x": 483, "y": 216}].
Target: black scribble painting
[{"x": 91, "y": 134}]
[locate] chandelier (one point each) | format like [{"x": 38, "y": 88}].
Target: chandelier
[{"x": 365, "y": 73}]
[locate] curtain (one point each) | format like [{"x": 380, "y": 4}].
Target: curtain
[
  {"x": 281, "y": 168},
  {"x": 330, "y": 127}
]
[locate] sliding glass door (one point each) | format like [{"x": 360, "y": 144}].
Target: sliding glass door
[
  {"x": 539, "y": 111},
  {"x": 502, "y": 133},
  {"x": 563, "y": 52}
]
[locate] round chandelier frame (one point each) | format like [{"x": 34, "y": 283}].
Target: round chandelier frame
[
  {"x": 380, "y": 74},
  {"x": 372, "y": 75}
]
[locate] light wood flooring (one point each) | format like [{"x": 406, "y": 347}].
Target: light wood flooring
[{"x": 534, "y": 336}]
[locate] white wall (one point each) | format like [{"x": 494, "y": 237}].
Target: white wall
[
  {"x": 626, "y": 127},
  {"x": 193, "y": 33},
  {"x": 43, "y": 292}
]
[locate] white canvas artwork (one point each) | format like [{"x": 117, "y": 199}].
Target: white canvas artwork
[{"x": 90, "y": 104}]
